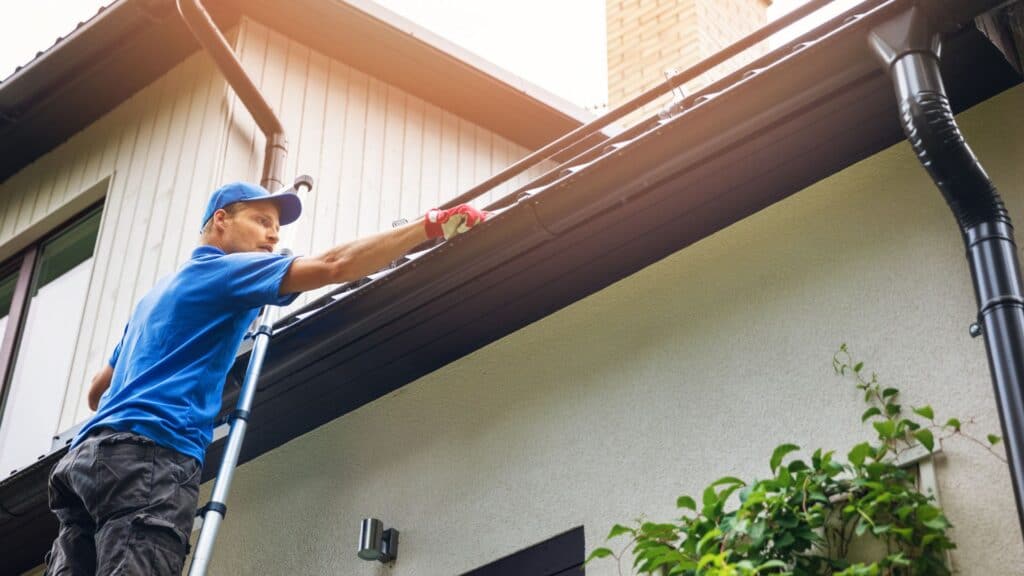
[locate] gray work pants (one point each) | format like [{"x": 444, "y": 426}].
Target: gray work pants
[{"x": 125, "y": 506}]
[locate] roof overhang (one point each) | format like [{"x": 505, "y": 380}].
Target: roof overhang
[
  {"x": 130, "y": 44},
  {"x": 761, "y": 137}
]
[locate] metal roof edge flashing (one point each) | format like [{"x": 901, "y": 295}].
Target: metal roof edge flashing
[
  {"x": 580, "y": 195},
  {"x": 577, "y": 196},
  {"x": 540, "y": 216},
  {"x": 514, "y": 231},
  {"x": 121, "y": 49},
  {"x": 566, "y": 201},
  {"x": 105, "y": 17}
]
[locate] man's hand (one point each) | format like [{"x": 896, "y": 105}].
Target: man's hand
[{"x": 453, "y": 221}]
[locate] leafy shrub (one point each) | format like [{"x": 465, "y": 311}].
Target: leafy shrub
[{"x": 803, "y": 519}]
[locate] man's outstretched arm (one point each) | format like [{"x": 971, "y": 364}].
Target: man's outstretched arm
[{"x": 359, "y": 258}]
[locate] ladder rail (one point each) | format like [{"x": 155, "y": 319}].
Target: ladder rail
[{"x": 215, "y": 510}]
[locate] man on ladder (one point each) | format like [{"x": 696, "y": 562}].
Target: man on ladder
[{"x": 126, "y": 492}]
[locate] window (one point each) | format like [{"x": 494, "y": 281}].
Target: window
[
  {"x": 42, "y": 294},
  {"x": 560, "y": 555}
]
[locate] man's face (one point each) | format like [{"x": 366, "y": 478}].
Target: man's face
[{"x": 252, "y": 228}]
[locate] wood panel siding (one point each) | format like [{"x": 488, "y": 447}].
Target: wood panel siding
[
  {"x": 377, "y": 154},
  {"x": 162, "y": 151}
]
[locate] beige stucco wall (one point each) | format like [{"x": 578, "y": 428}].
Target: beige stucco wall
[{"x": 691, "y": 369}]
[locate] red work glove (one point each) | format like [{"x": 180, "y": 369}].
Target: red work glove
[{"x": 453, "y": 221}]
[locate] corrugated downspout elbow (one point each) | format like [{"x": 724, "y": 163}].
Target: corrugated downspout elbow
[
  {"x": 213, "y": 42},
  {"x": 909, "y": 48},
  {"x": 911, "y": 52}
]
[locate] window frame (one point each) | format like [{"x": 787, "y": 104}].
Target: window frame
[{"x": 26, "y": 263}]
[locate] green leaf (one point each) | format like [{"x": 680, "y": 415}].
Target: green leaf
[
  {"x": 862, "y": 527},
  {"x": 890, "y": 392},
  {"x": 885, "y": 428},
  {"x": 905, "y": 533},
  {"x": 599, "y": 553},
  {"x": 859, "y": 453},
  {"x": 937, "y": 523},
  {"x": 686, "y": 502},
  {"x": 993, "y": 439},
  {"x": 787, "y": 539},
  {"x": 925, "y": 412},
  {"x": 953, "y": 423},
  {"x": 858, "y": 367},
  {"x": 881, "y": 451},
  {"x": 780, "y": 453},
  {"x": 771, "y": 564},
  {"x": 797, "y": 466},
  {"x": 728, "y": 480},
  {"x": 785, "y": 479},
  {"x": 707, "y": 559},
  {"x": 757, "y": 532},
  {"x": 873, "y": 411},
  {"x": 752, "y": 499},
  {"x": 898, "y": 559},
  {"x": 924, "y": 436},
  {"x": 618, "y": 530},
  {"x": 816, "y": 459},
  {"x": 927, "y": 512},
  {"x": 709, "y": 499},
  {"x": 707, "y": 539}
]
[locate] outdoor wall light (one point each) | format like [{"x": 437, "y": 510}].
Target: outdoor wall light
[{"x": 376, "y": 543}]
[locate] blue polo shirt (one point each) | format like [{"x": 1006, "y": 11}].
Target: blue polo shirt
[{"x": 181, "y": 340}]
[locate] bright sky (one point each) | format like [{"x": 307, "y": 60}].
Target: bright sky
[{"x": 556, "y": 44}]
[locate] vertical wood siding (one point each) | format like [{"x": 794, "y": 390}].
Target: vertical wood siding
[
  {"x": 376, "y": 152},
  {"x": 161, "y": 148}
]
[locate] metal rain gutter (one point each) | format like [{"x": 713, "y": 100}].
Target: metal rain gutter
[
  {"x": 908, "y": 45},
  {"x": 213, "y": 42},
  {"x": 527, "y": 219},
  {"x": 579, "y": 135},
  {"x": 567, "y": 173}
]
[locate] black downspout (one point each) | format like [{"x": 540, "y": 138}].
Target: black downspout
[
  {"x": 212, "y": 41},
  {"x": 909, "y": 48}
]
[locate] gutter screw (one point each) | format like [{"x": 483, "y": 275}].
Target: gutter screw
[{"x": 975, "y": 330}]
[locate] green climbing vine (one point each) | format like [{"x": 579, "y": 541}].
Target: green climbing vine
[{"x": 803, "y": 519}]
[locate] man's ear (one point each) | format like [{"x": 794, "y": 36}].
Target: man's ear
[{"x": 219, "y": 216}]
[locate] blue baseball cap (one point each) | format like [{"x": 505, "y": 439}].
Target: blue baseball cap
[{"x": 289, "y": 206}]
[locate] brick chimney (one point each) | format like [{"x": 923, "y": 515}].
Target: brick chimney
[{"x": 648, "y": 37}]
